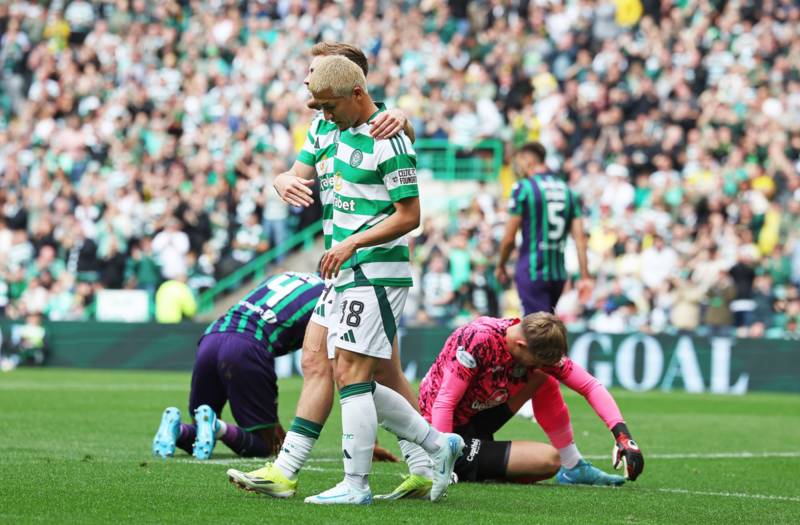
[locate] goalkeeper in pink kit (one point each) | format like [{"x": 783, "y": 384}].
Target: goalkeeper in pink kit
[{"x": 487, "y": 370}]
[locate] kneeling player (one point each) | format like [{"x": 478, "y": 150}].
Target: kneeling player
[
  {"x": 235, "y": 362},
  {"x": 487, "y": 370}
]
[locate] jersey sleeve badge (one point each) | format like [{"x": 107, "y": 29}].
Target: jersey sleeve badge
[{"x": 465, "y": 358}]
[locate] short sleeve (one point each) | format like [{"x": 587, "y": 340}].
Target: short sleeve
[
  {"x": 307, "y": 155},
  {"x": 397, "y": 165}
]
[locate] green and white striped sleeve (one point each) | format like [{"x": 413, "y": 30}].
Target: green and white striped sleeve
[
  {"x": 308, "y": 155},
  {"x": 397, "y": 165}
]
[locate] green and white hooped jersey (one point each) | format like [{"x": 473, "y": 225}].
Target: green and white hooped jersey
[
  {"x": 318, "y": 150},
  {"x": 369, "y": 177}
]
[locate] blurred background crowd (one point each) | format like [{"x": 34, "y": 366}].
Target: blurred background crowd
[{"x": 138, "y": 140}]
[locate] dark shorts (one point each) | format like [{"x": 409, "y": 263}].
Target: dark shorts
[
  {"x": 484, "y": 458},
  {"x": 538, "y": 295},
  {"x": 233, "y": 367}
]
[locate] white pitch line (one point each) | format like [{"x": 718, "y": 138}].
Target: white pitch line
[{"x": 730, "y": 494}]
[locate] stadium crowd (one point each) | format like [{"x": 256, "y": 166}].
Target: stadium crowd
[{"x": 138, "y": 140}]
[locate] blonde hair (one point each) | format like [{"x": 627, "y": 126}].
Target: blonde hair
[
  {"x": 336, "y": 76},
  {"x": 348, "y": 51},
  {"x": 546, "y": 336}
]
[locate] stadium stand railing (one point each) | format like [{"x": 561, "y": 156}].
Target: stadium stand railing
[
  {"x": 448, "y": 161},
  {"x": 257, "y": 268}
]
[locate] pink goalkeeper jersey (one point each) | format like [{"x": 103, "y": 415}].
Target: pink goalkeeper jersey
[{"x": 474, "y": 372}]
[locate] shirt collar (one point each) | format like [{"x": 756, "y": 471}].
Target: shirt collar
[{"x": 381, "y": 109}]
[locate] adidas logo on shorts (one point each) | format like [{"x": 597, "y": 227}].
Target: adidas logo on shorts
[{"x": 348, "y": 336}]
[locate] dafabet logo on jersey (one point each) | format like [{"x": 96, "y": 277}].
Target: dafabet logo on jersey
[
  {"x": 344, "y": 205},
  {"x": 326, "y": 181}
]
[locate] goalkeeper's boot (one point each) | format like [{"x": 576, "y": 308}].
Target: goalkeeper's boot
[
  {"x": 267, "y": 480},
  {"x": 413, "y": 486},
  {"x": 342, "y": 494},
  {"x": 444, "y": 460},
  {"x": 167, "y": 434},
  {"x": 206, "y": 420},
  {"x": 584, "y": 473}
]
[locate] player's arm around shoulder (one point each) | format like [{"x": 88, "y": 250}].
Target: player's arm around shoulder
[{"x": 391, "y": 122}]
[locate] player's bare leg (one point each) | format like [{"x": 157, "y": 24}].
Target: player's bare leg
[
  {"x": 531, "y": 461},
  {"x": 279, "y": 479},
  {"x": 316, "y": 396},
  {"x": 314, "y": 406},
  {"x": 390, "y": 374}
]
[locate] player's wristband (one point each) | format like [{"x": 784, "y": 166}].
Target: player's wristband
[{"x": 620, "y": 429}]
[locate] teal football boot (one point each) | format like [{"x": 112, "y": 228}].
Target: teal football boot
[
  {"x": 584, "y": 473},
  {"x": 167, "y": 434},
  {"x": 206, "y": 420}
]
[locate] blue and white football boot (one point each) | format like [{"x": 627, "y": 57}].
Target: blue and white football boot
[
  {"x": 584, "y": 473},
  {"x": 342, "y": 494},
  {"x": 167, "y": 434},
  {"x": 206, "y": 420},
  {"x": 444, "y": 460}
]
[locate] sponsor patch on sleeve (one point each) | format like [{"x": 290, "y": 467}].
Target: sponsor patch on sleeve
[
  {"x": 401, "y": 177},
  {"x": 465, "y": 358}
]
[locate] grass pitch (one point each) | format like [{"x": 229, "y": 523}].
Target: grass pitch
[{"x": 75, "y": 448}]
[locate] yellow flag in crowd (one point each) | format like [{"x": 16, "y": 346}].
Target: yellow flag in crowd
[
  {"x": 628, "y": 12},
  {"x": 769, "y": 236}
]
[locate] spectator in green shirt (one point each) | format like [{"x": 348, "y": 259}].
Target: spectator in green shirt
[
  {"x": 142, "y": 270},
  {"x": 460, "y": 261},
  {"x": 46, "y": 261}
]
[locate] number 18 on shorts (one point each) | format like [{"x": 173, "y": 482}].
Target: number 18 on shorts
[{"x": 366, "y": 319}]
